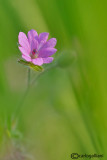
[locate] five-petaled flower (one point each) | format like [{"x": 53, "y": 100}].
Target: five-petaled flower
[{"x": 35, "y": 48}]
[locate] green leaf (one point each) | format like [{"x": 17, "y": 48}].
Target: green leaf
[{"x": 31, "y": 65}]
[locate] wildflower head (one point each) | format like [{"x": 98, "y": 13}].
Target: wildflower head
[{"x": 35, "y": 48}]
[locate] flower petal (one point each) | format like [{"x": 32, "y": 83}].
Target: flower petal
[
  {"x": 43, "y": 36},
  {"x": 37, "y": 61},
  {"x": 31, "y": 35},
  {"x": 48, "y": 60},
  {"x": 26, "y": 58},
  {"x": 47, "y": 52},
  {"x": 51, "y": 43},
  {"x": 34, "y": 44},
  {"x": 23, "y": 41},
  {"x": 24, "y": 51}
]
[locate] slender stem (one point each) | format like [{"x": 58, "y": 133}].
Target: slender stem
[
  {"x": 21, "y": 102},
  {"x": 28, "y": 78},
  {"x": 47, "y": 69},
  {"x": 29, "y": 85}
]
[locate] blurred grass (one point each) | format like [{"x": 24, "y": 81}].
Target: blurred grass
[{"x": 65, "y": 111}]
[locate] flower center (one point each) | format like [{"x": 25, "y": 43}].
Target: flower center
[{"x": 34, "y": 54}]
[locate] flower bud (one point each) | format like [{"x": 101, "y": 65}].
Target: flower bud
[{"x": 66, "y": 59}]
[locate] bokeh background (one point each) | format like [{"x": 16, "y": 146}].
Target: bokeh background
[{"x": 65, "y": 111}]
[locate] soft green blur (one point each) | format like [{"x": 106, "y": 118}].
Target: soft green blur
[{"x": 65, "y": 111}]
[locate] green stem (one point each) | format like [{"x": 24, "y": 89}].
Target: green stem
[
  {"x": 29, "y": 85},
  {"x": 45, "y": 71},
  {"x": 28, "y": 77},
  {"x": 21, "y": 102}
]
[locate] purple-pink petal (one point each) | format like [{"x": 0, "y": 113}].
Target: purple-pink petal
[
  {"x": 23, "y": 41},
  {"x": 46, "y": 52},
  {"x": 51, "y": 43},
  {"x": 35, "y": 48},
  {"x": 26, "y": 58},
  {"x": 34, "y": 44},
  {"x": 48, "y": 60},
  {"x": 32, "y": 34},
  {"x": 24, "y": 51},
  {"x": 43, "y": 36},
  {"x": 37, "y": 61}
]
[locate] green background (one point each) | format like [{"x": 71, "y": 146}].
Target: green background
[{"x": 66, "y": 110}]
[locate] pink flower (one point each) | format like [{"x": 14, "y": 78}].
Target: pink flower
[{"x": 35, "y": 48}]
